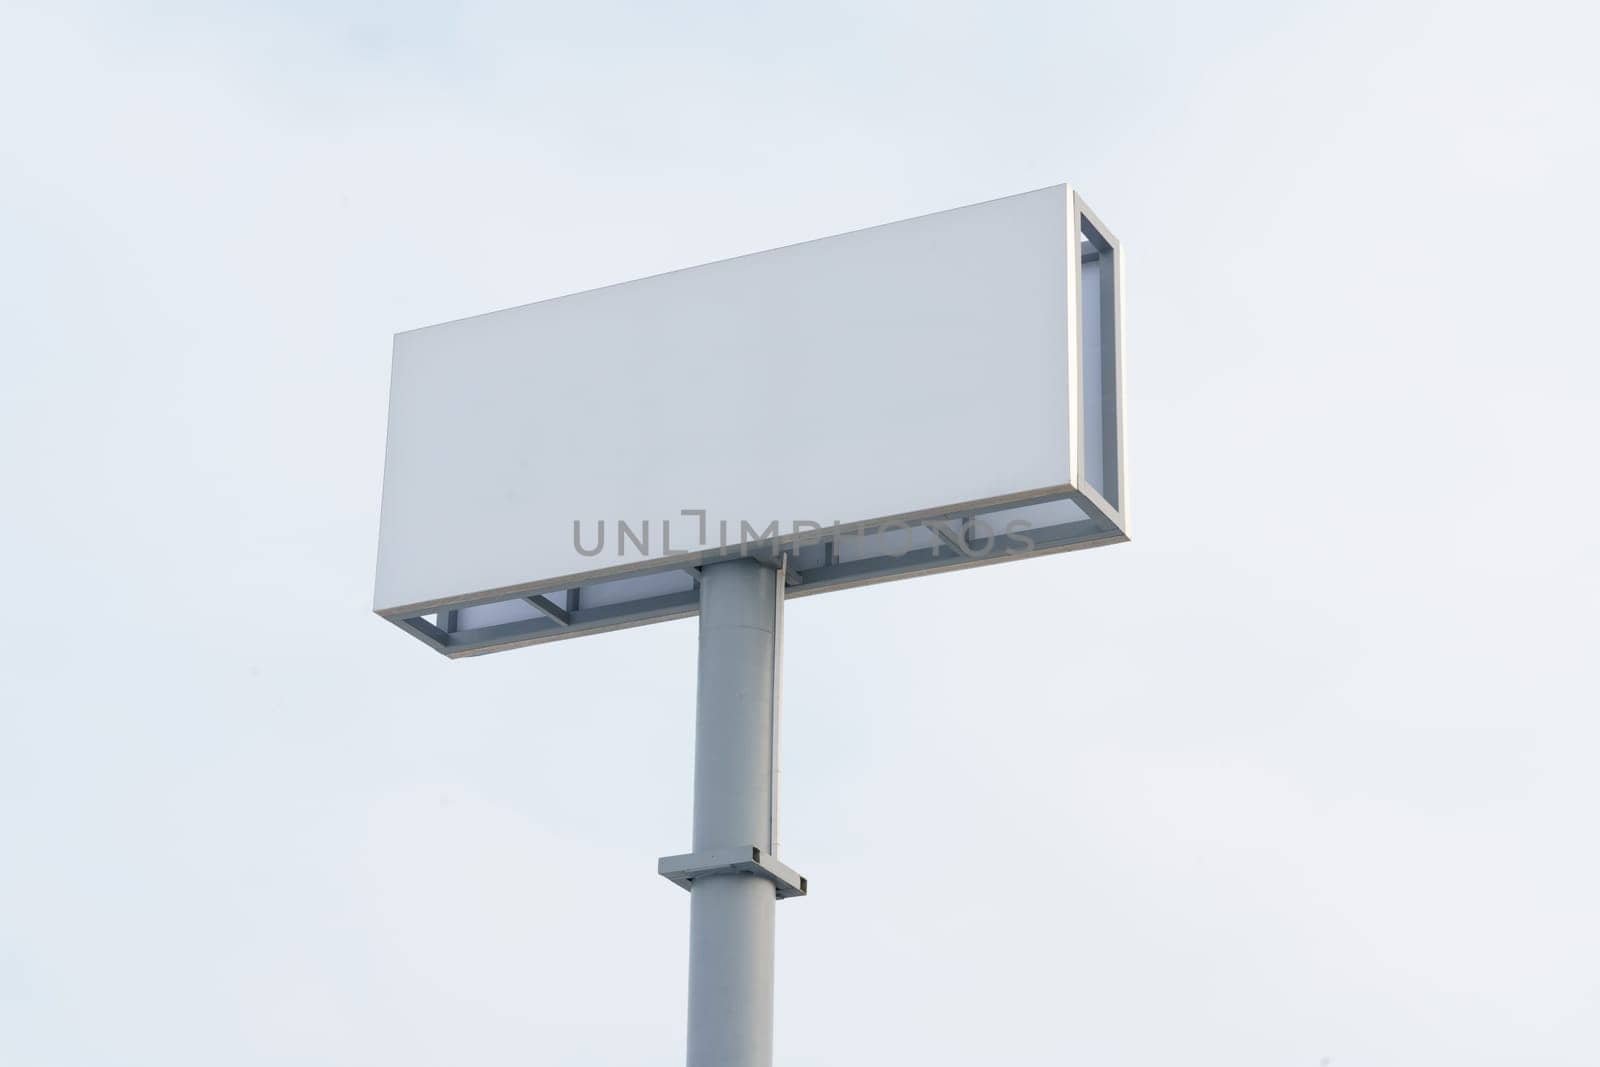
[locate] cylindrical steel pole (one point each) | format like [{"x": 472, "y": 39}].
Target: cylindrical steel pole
[{"x": 731, "y": 914}]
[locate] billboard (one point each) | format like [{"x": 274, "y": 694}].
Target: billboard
[{"x": 930, "y": 394}]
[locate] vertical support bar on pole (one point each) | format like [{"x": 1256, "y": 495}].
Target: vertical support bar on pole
[
  {"x": 776, "y": 764},
  {"x": 731, "y": 914}
]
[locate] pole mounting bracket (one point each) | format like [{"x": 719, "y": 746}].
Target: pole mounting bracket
[{"x": 747, "y": 859}]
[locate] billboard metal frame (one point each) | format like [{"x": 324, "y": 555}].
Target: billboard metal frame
[{"x": 559, "y": 609}]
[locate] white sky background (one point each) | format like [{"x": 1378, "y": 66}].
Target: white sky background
[{"x": 1304, "y": 772}]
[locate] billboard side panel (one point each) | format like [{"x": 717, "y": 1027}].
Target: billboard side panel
[{"x": 895, "y": 370}]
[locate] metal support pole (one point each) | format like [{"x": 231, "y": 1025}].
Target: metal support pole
[{"x": 731, "y": 911}]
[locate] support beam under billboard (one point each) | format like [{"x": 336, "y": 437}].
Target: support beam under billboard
[{"x": 733, "y": 877}]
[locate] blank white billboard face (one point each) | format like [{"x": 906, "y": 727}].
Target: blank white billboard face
[{"x": 932, "y": 393}]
